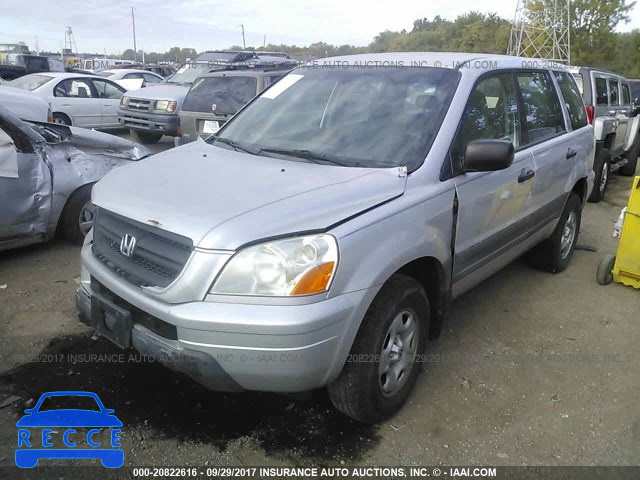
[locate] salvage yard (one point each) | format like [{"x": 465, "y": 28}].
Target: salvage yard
[{"x": 531, "y": 369}]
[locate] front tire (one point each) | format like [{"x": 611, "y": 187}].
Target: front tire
[
  {"x": 554, "y": 254},
  {"x": 61, "y": 119},
  {"x": 147, "y": 138},
  {"x": 77, "y": 217},
  {"x": 382, "y": 368},
  {"x": 601, "y": 166}
]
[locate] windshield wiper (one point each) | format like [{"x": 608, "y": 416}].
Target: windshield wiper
[
  {"x": 304, "y": 154},
  {"x": 237, "y": 147}
]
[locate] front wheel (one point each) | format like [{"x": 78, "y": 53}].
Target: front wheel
[
  {"x": 61, "y": 119},
  {"x": 147, "y": 137},
  {"x": 78, "y": 215},
  {"x": 382, "y": 366}
]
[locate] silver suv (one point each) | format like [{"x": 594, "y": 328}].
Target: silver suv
[
  {"x": 612, "y": 111},
  {"x": 319, "y": 237}
]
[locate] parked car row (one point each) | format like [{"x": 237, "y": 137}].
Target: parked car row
[
  {"x": 154, "y": 111},
  {"x": 330, "y": 222}
]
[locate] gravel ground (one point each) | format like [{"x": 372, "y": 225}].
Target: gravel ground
[{"x": 532, "y": 369}]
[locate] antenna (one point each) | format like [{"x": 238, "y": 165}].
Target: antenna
[
  {"x": 70, "y": 41},
  {"x": 542, "y": 33}
]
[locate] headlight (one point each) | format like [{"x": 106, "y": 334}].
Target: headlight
[
  {"x": 165, "y": 106},
  {"x": 291, "y": 267},
  {"x": 124, "y": 101}
]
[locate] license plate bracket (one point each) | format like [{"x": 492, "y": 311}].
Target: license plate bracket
[{"x": 111, "y": 320}]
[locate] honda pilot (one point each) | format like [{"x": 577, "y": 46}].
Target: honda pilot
[{"x": 318, "y": 238}]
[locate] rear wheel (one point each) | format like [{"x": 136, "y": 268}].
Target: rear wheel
[
  {"x": 61, "y": 119},
  {"x": 554, "y": 254},
  {"x": 601, "y": 165},
  {"x": 382, "y": 368},
  {"x": 147, "y": 137}
]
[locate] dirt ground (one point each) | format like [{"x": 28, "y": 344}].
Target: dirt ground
[{"x": 532, "y": 369}]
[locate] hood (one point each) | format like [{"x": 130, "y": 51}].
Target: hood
[
  {"x": 222, "y": 199},
  {"x": 162, "y": 91},
  {"x": 87, "y": 141}
]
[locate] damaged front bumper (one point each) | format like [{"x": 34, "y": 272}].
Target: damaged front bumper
[{"x": 225, "y": 346}]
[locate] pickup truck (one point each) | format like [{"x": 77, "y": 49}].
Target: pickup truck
[{"x": 613, "y": 112}]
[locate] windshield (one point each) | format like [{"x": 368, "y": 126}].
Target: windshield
[
  {"x": 29, "y": 82},
  {"x": 354, "y": 116},
  {"x": 189, "y": 72},
  {"x": 220, "y": 95}
]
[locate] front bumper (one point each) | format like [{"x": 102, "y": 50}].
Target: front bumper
[
  {"x": 232, "y": 346},
  {"x": 150, "y": 122}
]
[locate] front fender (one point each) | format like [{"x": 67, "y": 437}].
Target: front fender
[{"x": 377, "y": 244}]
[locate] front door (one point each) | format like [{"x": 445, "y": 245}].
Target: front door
[
  {"x": 77, "y": 98},
  {"x": 25, "y": 187},
  {"x": 109, "y": 95},
  {"x": 493, "y": 207}
]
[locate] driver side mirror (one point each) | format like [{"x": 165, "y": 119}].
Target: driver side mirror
[
  {"x": 488, "y": 155},
  {"x": 635, "y": 107}
]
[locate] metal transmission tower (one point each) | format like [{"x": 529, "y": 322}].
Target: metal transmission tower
[
  {"x": 70, "y": 41},
  {"x": 542, "y": 29}
]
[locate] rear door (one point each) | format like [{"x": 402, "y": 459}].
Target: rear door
[
  {"x": 493, "y": 207},
  {"x": 25, "y": 187},
  {"x": 620, "y": 111},
  {"x": 109, "y": 95},
  {"x": 545, "y": 137}
]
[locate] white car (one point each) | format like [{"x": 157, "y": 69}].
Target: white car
[
  {"x": 76, "y": 99},
  {"x": 26, "y": 105},
  {"x": 131, "y": 73}
]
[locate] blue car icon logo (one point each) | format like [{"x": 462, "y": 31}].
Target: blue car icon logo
[{"x": 36, "y": 434}]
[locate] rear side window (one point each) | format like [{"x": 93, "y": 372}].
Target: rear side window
[
  {"x": 614, "y": 92},
  {"x": 602, "y": 98},
  {"x": 544, "y": 117},
  {"x": 579, "y": 82},
  {"x": 572, "y": 99},
  {"x": 626, "y": 96},
  {"x": 220, "y": 95},
  {"x": 635, "y": 90}
]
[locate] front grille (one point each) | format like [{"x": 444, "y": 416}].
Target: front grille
[
  {"x": 139, "y": 105},
  {"x": 158, "y": 258}
]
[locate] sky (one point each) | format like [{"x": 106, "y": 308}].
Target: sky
[{"x": 101, "y": 26}]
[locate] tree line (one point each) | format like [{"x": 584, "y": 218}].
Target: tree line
[{"x": 594, "y": 41}]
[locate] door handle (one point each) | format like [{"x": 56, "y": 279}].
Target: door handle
[
  {"x": 526, "y": 175},
  {"x": 571, "y": 153}
]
